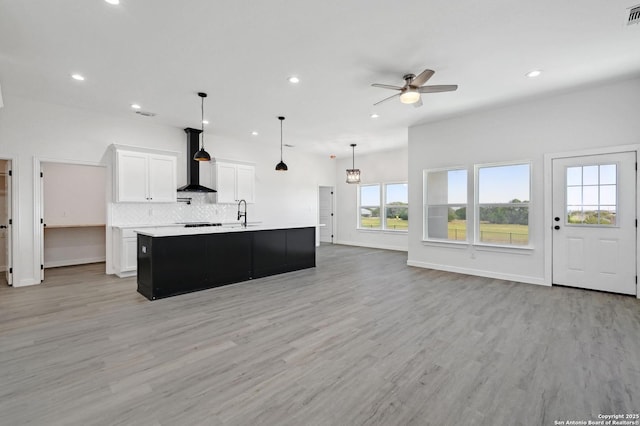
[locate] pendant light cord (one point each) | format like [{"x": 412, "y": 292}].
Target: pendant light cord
[
  {"x": 202, "y": 120},
  {"x": 281, "y": 140},
  {"x": 353, "y": 156}
]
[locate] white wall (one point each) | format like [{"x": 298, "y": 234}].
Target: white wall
[
  {"x": 606, "y": 115},
  {"x": 378, "y": 167},
  {"x": 30, "y": 129},
  {"x": 73, "y": 246}
]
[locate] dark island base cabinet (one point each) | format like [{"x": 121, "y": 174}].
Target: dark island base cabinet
[{"x": 168, "y": 266}]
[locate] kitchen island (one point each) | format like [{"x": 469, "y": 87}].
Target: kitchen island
[{"x": 174, "y": 260}]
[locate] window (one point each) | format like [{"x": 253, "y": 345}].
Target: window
[
  {"x": 384, "y": 207},
  {"x": 592, "y": 195},
  {"x": 396, "y": 206},
  {"x": 503, "y": 204},
  {"x": 446, "y": 204},
  {"x": 370, "y": 206}
]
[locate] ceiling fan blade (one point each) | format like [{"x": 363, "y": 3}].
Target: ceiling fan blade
[
  {"x": 418, "y": 104},
  {"x": 436, "y": 89},
  {"x": 422, "y": 78},
  {"x": 386, "y": 99},
  {"x": 386, "y": 86}
]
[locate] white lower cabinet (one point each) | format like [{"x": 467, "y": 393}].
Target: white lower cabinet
[{"x": 125, "y": 247}]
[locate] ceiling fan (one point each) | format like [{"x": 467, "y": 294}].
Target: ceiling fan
[{"x": 413, "y": 87}]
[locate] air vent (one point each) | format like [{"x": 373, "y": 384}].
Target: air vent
[
  {"x": 634, "y": 15},
  {"x": 146, "y": 113}
]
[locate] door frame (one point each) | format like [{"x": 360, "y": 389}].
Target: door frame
[
  {"x": 38, "y": 208},
  {"x": 333, "y": 208},
  {"x": 548, "y": 201},
  {"x": 14, "y": 245}
]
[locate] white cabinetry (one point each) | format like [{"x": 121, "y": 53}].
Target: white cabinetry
[
  {"x": 145, "y": 177},
  {"x": 125, "y": 252},
  {"x": 234, "y": 182}
]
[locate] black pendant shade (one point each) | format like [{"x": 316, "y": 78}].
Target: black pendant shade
[
  {"x": 281, "y": 166},
  {"x": 201, "y": 154}
]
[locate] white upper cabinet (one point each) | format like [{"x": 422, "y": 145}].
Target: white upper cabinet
[
  {"x": 234, "y": 182},
  {"x": 143, "y": 177}
]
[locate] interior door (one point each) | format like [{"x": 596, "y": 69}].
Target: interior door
[
  {"x": 594, "y": 209},
  {"x": 326, "y": 214},
  {"x": 6, "y": 222}
]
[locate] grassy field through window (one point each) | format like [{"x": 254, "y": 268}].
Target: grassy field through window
[
  {"x": 392, "y": 223},
  {"x": 494, "y": 233}
]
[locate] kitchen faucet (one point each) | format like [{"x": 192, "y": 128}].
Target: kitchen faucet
[{"x": 243, "y": 213}]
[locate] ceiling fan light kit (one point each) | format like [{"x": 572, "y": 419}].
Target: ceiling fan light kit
[
  {"x": 353, "y": 174},
  {"x": 410, "y": 96},
  {"x": 413, "y": 87},
  {"x": 201, "y": 154},
  {"x": 281, "y": 166}
]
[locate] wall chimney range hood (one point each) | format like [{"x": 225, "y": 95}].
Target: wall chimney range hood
[{"x": 193, "y": 166}]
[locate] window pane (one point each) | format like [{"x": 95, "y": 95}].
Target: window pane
[
  {"x": 370, "y": 217},
  {"x": 446, "y": 210},
  {"x": 397, "y": 193},
  {"x": 503, "y": 184},
  {"x": 370, "y": 195},
  {"x": 590, "y": 195},
  {"x": 396, "y": 218},
  {"x": 574, "y": 195},
  {"x": 608, "y": 174},
  {"x": 590, "y": 175},
  {"x": 598, "y": 205},
  {"x": 457, "y": 191},
  {"x": 607, "y": 215},
  {"x": 574, "y": 176},
  {"x": 608, "y": 194},
  {"x": 504, "y": 225}
]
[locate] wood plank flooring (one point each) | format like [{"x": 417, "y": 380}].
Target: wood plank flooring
[{"x": 362, "y": 339}]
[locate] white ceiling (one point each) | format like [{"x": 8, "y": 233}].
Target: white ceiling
[{"x": 161, "y": 53}]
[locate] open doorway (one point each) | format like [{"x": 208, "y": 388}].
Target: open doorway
[
  {"x": 73, "y": 213},
  {"x": 6, "y": 267},
  {"x": 326, "y": 213}
]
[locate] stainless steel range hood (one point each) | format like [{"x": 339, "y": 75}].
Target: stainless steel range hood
[{"x": 193, "y": 166}]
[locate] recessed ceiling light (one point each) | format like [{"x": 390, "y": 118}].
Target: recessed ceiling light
[
  {"x": 254, "y": 133},
  {"x": 293, "y": 79},
  {"x": 78, "y": 77},
  {"x": 534, "y": 73},
  {"x": 374, "y": 115},
  {"x": 205, "y": 121},
  {"x": 135, "y": 106},
  {"x": 113, "y": 1}
]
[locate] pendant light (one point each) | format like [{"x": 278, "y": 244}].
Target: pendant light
[
  {"x": 353, "y": 174},
  {"x": 281, "y": 167},
  {"x": 202, "y": 155}
]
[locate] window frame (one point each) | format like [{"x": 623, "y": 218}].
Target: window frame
[
  {"x": 477, "y": 205},
  {"x": 383, "y": 205},
  {"x": 473, "y": 210},
  {"x": 361, "y": 206}
]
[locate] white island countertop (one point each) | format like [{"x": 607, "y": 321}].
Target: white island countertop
[{"x": 174, "y": 231}]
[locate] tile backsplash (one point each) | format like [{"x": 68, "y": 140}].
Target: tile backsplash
[{"x": 201, "y": 209}]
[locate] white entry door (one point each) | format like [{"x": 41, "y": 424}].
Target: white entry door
[
  {"x": 326, "y": 214},
  {"x": 5, "y": 220},
  {"x": 594, "y": 221}
]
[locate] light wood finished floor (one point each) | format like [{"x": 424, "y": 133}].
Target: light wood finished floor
[{"x": 362, "y": 339}]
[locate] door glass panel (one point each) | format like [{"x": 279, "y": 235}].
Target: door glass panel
[
  {"x": 574, "y": 195},
  {"x": 574, "y": 176},
  {"x": 592, "y": 195},
  {"x": 608, "y": 174},
  {"x": 590, "y": 175}
]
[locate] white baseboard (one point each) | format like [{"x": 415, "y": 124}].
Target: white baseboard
[
  {"x": 71, "y": 262},
  {"x": 126, "y": 274},
  {"x": 376, "y": 246},
  {"x": 480, "y": 273}
]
